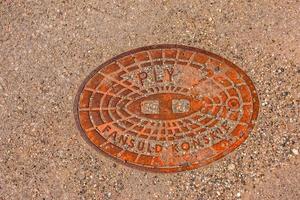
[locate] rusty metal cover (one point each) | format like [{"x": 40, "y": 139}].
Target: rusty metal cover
[{"x": 167, "y": 108}]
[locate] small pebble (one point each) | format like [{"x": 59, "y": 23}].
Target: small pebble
[
  {"x": 295, "y": 151},
  {"x": 231, "y": 166}
]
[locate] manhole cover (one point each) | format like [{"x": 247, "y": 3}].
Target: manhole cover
[{"x": 167, "y": 108}]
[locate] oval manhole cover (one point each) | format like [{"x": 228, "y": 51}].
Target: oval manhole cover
[{"x": 167, "y": 108}]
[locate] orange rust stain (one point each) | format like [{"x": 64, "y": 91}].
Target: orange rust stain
[{"x": 166, "y": 108}]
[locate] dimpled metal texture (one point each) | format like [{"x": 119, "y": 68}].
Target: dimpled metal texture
[{"x": 166, "y": 108}]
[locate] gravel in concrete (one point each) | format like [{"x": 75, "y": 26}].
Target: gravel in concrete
[{"x": 47, "y": 48}]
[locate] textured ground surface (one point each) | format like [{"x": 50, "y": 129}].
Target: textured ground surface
[{"x": 48, "y": 48}]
